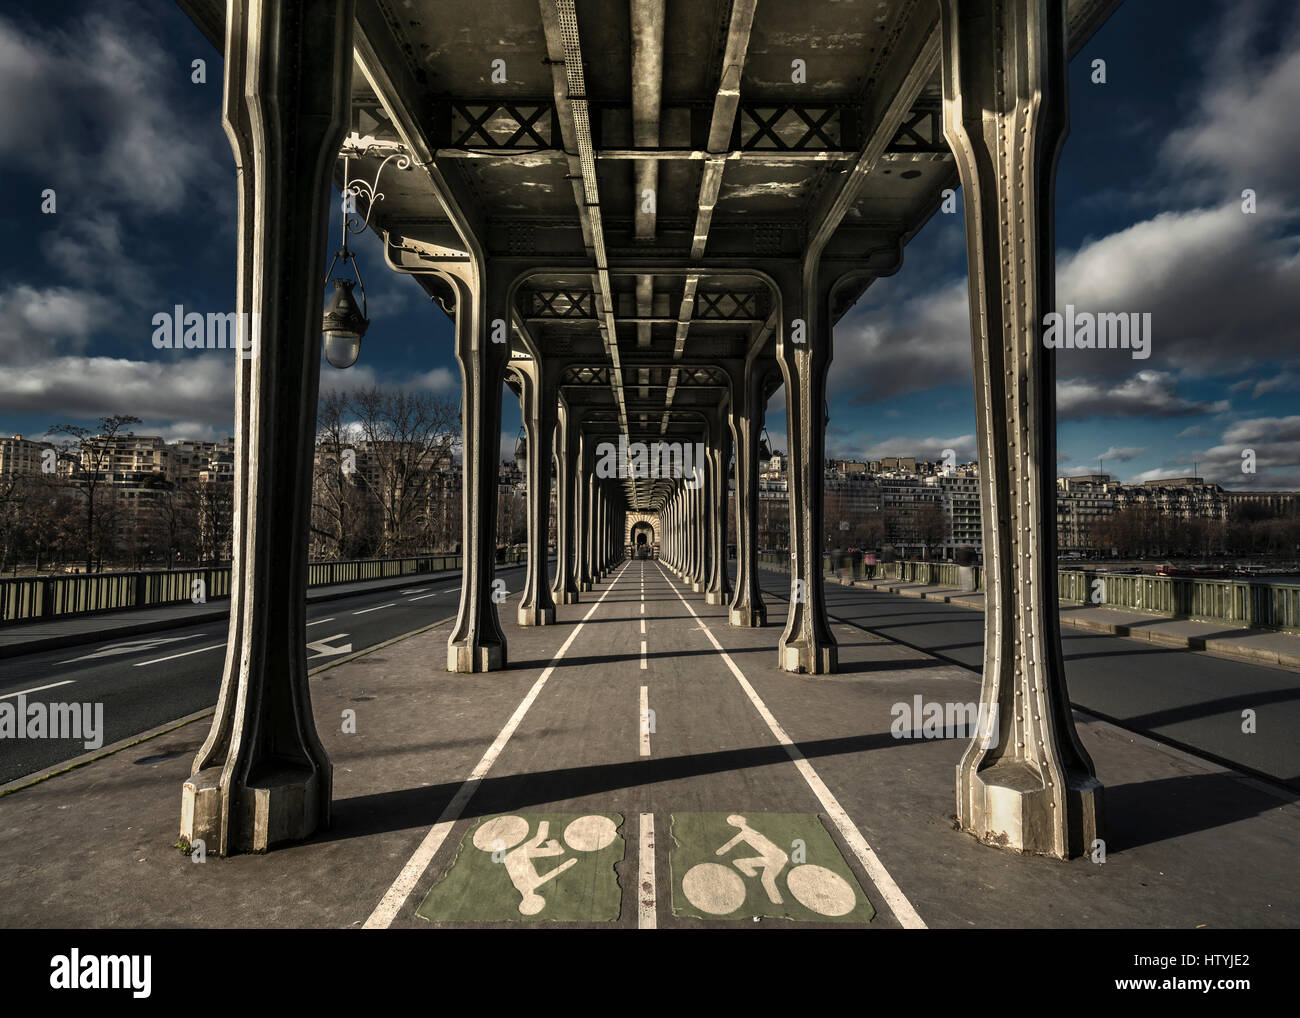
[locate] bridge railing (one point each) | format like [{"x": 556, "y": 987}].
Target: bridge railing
[
  {"x": 1247, "y": 603},
  {"x": 1250, "y": 603},
  {"x": 26, "y": 598}
]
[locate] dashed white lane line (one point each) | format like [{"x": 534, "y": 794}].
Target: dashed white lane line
[
  {"x": 890, "y": 891},
  {"x": 643, "y": 655},
  {"x": 173, "y": 657},
  {"x": 36, "y": 689},
  {"x": 378, "y": 607},
  {"x": 642, "y": 607},
  {"x": 319, "y": 622},
  {"x": 643, "y": 627},
  {"x": 645, "y": 721},
  {"x": 386, "y": 911},
  {"x": 647, "y": 917},
  {"x": 434, "y": 594}
]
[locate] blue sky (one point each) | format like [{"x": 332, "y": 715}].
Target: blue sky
[{"x": 1199, "y": 104}]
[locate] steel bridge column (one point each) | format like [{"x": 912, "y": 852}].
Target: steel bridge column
[
  {"x": 719, "y": 588},
  {"x": 807, "y": 644},
  {"x": 1025, "y": 782},
  {"x": 679, "y": 535},
  {"x": 565, "y": 590},
  {"x": 684, "y": 498},
  {"x": 539, "y": 397},
  {"x": 477, "y": 644},
  {"x": 669, "y": 535},
  {"x": 262, "y": 776},
  {"x": 688, "y": 534},
  {"x": 585, "y": 477},
  {"x": 746, "y": 420},
  {"x": 700, "y": 581},
  {"x": 598, "y": 548}
]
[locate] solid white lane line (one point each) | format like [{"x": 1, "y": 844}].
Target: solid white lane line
[
  {"x": 646, "y": 908},
  {"x": 643, "y": 655},
  {"x": 386, "y": 911},
  {"x": 890, "y": 891},
  {"x": 378, "y": 607},
  {"x": 173, "y": 657},
  {"x": 645, "y": 721},
  {"x": 37, "y": 689}
]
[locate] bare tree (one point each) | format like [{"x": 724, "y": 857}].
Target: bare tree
[
  {"x": 405, "y": 438},
  {"x": 216, "y": 516},
  {"x": 92, "y": 456},
  {"x": 931, "y": 527},
  {"x": 333, "y": 489}
]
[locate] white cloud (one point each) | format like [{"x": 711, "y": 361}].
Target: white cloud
[
  {"x": 923, "y": 448},
  {"x": 89, "y": 249},
  {"x": 1146, "y": 394},
  {"x": 439, "y": 380},
  {"x": 1233, "y": 136},
  {"x": 1119, "y": 455},
  {"x": 1273, "y": 441},
  {"x": 89, "y": 107},
  {"x": 38, "y": 322},
  {"x": 199, "y": 388}
]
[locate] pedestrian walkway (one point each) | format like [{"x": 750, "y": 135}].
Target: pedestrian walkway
[
  {"x": 1258, "y": 646},
  {"x": 642, "y": 764}
]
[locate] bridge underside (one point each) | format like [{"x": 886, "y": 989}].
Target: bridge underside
[{"x": 645, "y": 225}]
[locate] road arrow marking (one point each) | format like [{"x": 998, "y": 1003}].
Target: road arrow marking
[
  {"x": 323, "y": 648},
  {"x": 135, "y": 646}
]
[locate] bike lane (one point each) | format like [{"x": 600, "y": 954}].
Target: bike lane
[{"x": 644, "y": 788}]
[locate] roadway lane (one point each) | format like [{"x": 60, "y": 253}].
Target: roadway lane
[
  {"x": 148, "y": 680},
  {"x": 1184, "y": 698}
]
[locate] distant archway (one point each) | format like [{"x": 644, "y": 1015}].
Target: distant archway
[{"x": 642, "y": 535}]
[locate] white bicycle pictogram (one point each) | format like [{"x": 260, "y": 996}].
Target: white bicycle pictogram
[
  {"x": 718, "y": 890},
  {"x": 509, "y": 835}
]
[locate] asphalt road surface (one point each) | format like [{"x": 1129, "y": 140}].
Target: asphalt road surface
[
  {"x": 1187, "y": 699},
  {"x": 148, "y": 680},
  {"x": 1184, "y": 698}
]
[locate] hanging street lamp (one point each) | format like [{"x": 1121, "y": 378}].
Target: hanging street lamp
[{"x": 344, "y": 322}]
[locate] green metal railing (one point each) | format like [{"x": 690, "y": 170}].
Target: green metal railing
[
  {"x": 1247, "y": 603},
  {"x": 1250, "y": 603},
  {"x": 47, "y": 597}
]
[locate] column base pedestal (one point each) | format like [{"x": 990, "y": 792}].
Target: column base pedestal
[
  {"x": 471, "y": 658},
  {"x": 697, "y": 586},
  {"x": 748, "y": 618},
  {"x": 1007, "y": 806},
  {"x": 800, "y": 658},
  {"x": 715, "y": 597},
  {"x": 281, "y": 806},
  {"x": 565, "y": 596},
  {"x": 532, "y": 616}
]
